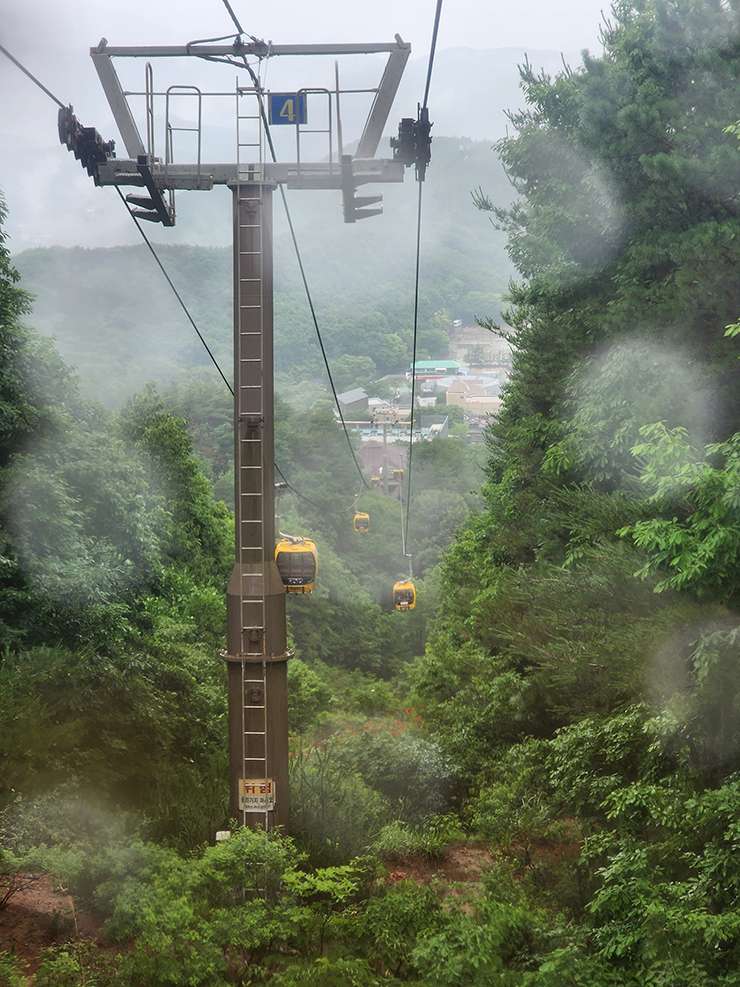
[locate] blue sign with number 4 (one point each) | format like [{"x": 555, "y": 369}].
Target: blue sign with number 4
[{"x": 288, "y": 108}]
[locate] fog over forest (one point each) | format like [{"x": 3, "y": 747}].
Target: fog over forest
[{"x": 490, "y": 694}]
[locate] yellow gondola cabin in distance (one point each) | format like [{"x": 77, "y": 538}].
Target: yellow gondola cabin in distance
[
  {"x": 361, "y": 522},
  {"x": 404, "y": 595},
  {"x": 297, "y": 562}
]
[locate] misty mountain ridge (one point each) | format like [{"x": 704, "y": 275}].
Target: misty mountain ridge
[
  {"x": 134, "y": 331},
  {"x": 51, "y": 200},
  {"x": 131, "y": 328}
]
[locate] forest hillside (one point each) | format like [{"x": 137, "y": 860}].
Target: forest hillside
[
  {"x": 360, "y": 277},
  {"x": 565, "y": 697}
]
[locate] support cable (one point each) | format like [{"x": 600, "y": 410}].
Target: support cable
[
  {"x": 313, "y": 503},
  {"x": 32, "y": 77},
  {"x": 177, "y": 293},
  {"x": 138, "y": 224},
  {"x": 215, "y": 362},
  {"x": 413, "y": 368},
  {"x": 405, "y": 529},
  {"x": 239, "y": 28},
  {"x": 318, "y": 336},
  {"x": 433, "y": 47},
  {"x": 153, "y": 252},
  {"x": 301, "y": 268},
  {"x": 237, "y": 25}
]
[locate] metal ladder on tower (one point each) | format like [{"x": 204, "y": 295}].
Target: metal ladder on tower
[{"x": 250, "y": 496}]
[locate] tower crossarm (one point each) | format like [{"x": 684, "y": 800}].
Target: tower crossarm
[
  {"x": 307, "y": 175},
  {"x": 238, "y": 49}
]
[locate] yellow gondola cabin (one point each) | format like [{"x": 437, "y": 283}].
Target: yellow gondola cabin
[
  {"x": 404, "y": 595},
  {"x": 362, "y": 522},
  {"x": 297, "y": 562}
]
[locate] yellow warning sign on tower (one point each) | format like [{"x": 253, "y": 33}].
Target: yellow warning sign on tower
[{"x": 256, "y": 794}]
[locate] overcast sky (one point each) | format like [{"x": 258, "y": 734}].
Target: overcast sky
[{"x": 51, "y": 200}]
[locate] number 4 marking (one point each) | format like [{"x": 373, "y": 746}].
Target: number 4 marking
[{"x": 288, "y": 110}]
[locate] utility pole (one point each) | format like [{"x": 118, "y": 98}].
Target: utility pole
[{"x": 256, "y": 652}]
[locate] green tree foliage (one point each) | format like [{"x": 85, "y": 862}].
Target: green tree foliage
[
  {"x": 87, "y": 526},
  {"x": 308, "y": 695},
  {"x": 20, "y": 414},
  {"x": 615, "y": 394},
  {"x": 627, "y": 216},
  {"x": 694, "y": 540},
  {"x": 136, "y": 731},
  {"x": 580, "y": 681},
  {"x": 583, "y": 668},
  {"x": 95, "y": 512},
  {"x": 201, "y": 532},
  {"x": 617, "y": 326},
  {"x": 336, "y": 814},
  {"x": 251, "y": 909},
  {"x": 111, "y": 602}
]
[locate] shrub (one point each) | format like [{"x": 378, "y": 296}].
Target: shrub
[
  {"x": 336, "y": 815},
  {"x": 12, "y": 971},
  {"x": 430, "y": 839}
]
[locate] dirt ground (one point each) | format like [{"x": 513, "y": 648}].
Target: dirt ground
[
  {"x": 462, "y": 862},
  {"x": 40, "y": 915}
]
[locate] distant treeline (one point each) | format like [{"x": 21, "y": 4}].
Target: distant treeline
[{"x": 116, "y": 320}]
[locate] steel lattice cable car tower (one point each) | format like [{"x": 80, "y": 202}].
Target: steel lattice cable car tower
[{"x": 256, "y": 652}]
